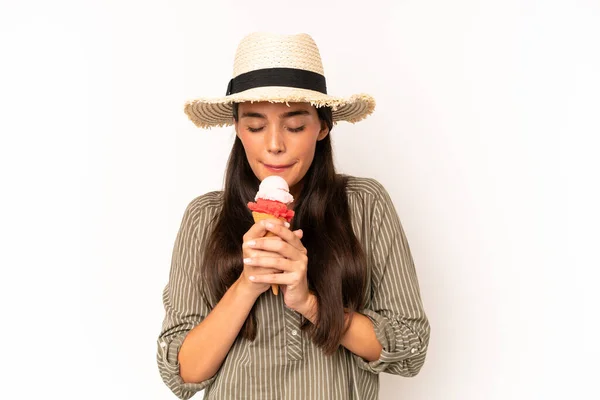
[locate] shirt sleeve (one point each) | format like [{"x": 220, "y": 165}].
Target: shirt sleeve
[
  {"x": 183, "y": 302},
  {"x": 395, "y": 306}
]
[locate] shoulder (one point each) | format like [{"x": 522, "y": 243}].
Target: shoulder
[
  {"x": 368, "y": 195},
  {"x": 205, "y": 205},
  {"x": 367, "y": 188}
]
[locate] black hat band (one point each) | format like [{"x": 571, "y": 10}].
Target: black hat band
[{"x": 290, "y": 77}]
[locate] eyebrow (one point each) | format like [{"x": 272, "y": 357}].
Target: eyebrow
[{"x": 282, "y": 116}]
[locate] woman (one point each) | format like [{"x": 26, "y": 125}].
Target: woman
[{"x": 350, "y": 305}]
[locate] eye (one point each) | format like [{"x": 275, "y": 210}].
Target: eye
[
  {"x": 251, "y": 129},
  {"x": 298, "y": 129}
]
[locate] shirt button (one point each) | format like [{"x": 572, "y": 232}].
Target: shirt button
[
  {"x": 413, "y": 351},
  {"x": 294, "y": 332},
  {"x": 163, "y": 344}
]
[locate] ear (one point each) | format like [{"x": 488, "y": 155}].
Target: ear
[{"x": 323, "y": 132}]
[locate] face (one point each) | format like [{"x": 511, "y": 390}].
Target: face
[{"x": 280, "y": 139}]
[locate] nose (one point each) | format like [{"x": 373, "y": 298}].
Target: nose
[{"x": 274, "y": 142}]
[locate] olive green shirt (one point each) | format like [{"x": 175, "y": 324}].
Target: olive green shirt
[{"x": 282, "y": 363}]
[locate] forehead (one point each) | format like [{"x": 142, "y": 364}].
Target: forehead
[{"x": 265, "y": 107}]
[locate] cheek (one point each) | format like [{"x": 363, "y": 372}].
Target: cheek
[
  {"x": 309, "y": 151},
  {"x": 306, "y": 153},
  {"x": 250, "y": 145},
  {"x": 306, "y": 148}
]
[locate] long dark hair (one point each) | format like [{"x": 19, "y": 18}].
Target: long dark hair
[{"x": 336, "y": 263}]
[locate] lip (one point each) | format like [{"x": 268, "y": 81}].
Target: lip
[{"x": 277, "y": 168}]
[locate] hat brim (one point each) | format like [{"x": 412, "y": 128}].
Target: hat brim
[{"x": 213, "y": 112}]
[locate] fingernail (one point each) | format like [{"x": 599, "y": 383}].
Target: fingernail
[
  {"x": 251, "y": 278},
  {"x": 287, "y": 224},
  {"x": 251, "y": 243},
  {"x": 247, "y": 260}
]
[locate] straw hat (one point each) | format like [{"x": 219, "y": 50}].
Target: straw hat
[{"x": 280, "y": 69}]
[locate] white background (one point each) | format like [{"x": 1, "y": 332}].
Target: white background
[{"x": 485, "y": 134}]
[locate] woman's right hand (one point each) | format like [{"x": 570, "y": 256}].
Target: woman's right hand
[{"x": 257, "y": 232}]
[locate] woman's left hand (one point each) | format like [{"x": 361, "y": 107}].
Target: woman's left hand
[{"x": 292, "y": 262}]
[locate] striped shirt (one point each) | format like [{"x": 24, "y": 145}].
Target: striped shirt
[{"x": 282, "y": 363}]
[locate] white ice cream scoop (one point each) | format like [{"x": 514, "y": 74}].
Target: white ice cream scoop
[{"x": 274, "y": 188}]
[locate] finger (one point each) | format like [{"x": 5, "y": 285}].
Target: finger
[
  {"x": 286, "y": 235},
  {"x": 278, "y": 246},
  {"x": 283, "y": 279},
  {"x": 254, "y": 253},
  {"x": 252, "y": 244},
  {"x": 278, "y": 263},
  {"x": 256, "y": 270},
  {"x": 255, "y": 245},
  {"x": 259, "y": 229}
]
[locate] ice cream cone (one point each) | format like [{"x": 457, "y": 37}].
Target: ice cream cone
[
  {"x": 258, "y": 216},
  {"x": 272, "y": 201}
]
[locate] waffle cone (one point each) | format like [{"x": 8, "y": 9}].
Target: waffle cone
[{"x": 258, "y": 216}]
